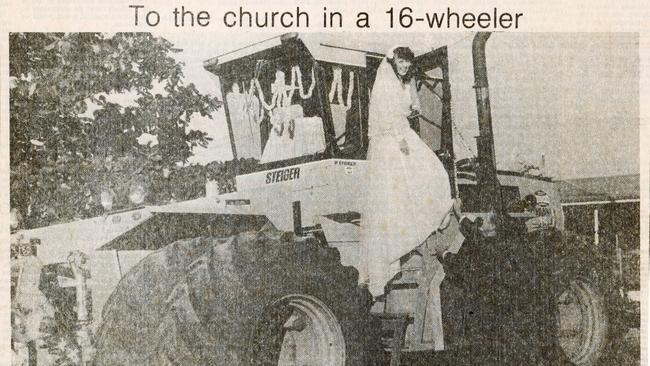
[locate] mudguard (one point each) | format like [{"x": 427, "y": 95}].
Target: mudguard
[{"x": 164, "y": 228}]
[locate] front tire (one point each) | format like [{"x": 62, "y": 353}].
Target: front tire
[
  {"x": 266, "y": 298},
  {"x": 582, "y": 321}
]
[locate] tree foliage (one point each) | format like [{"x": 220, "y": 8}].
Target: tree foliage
[{"x": 70, "y": 138}]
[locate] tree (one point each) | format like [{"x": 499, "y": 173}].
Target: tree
[{"x": 62, "y": 155}]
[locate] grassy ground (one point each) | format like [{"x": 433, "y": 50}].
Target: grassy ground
[{"x": 628, "y": 353}]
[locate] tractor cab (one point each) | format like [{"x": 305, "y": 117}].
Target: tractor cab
[{"x": 289, "y": 101}]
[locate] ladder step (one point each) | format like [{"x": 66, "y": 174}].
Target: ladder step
[{"x": 396, "y": 324}]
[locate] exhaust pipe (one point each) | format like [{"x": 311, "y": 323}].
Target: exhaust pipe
[{"x": 487, "y": 180}]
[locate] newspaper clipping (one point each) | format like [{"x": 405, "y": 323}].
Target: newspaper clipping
[{"x": 240, "y": 184}]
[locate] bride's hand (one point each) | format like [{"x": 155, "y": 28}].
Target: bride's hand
[
  {"x": 404, "y": 147},
  {"x": 414, "y": 111}
]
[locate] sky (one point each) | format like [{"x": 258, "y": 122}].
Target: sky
[{"x": 570, "y": 97}]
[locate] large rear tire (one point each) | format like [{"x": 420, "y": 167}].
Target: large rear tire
[{"x": 264, "y": 298}]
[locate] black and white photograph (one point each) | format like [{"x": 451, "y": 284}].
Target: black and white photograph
[{"x": 325, "y": 198}]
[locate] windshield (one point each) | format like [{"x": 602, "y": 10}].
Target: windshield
[{"x": 274, "y": 111}]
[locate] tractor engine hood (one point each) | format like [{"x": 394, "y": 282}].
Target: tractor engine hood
[{"x": 206, "y": 216}]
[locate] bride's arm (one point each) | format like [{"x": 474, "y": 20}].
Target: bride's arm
[{"x": 415, "y": 99}]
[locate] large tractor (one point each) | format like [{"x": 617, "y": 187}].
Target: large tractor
[{"x": 267, "y": 274}]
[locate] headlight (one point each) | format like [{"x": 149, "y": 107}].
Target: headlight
[
  {"x": 106, "y": 198},
  {"x": 543, "y": 200},
  {"x": 14, "y": 219},
  {"x": 137, "y": 194}
]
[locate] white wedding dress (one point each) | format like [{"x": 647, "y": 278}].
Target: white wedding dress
[{"x": 408, "y": 195}]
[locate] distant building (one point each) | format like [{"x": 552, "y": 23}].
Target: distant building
[{"x": 605, "y": 209}]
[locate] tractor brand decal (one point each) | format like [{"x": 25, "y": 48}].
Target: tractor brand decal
[
  {"x": 343, "y": 162},
  {"x": 282, "y": 175},
  {"x": 238, "y": 202}
]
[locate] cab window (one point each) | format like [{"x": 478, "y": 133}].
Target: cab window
[
  {"x": 430, "y": 94},
  {"x": 343, "y": 85}
]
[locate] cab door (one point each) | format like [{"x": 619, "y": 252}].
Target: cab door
[{"x": 433, "y": 124}]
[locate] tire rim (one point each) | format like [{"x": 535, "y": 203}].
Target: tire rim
[
  {"x": 576, "y": 321},
  {"x": 300, "y": 330}
]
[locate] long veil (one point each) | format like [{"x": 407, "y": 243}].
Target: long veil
[
  {"x": 408, "y": 194},
  {"x": 386, "y": 99}
]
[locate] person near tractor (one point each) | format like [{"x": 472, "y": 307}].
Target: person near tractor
[
  {"x": 408, "y": 189},
  {"x": 31, "y": 311}
]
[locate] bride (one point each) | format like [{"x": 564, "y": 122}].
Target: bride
[{"x": 408, "y": 190}]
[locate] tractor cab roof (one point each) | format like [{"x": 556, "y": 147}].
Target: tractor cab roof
[
  {"x": 292, "y": 43},
  {"x": 343, "y": 47}
]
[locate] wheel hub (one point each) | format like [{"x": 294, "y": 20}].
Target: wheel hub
[
  {"x": 575, "y": 321},
  {"x": 312, "y": 334}
]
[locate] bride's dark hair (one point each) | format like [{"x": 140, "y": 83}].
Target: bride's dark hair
[{"x": 407, "y": 54}]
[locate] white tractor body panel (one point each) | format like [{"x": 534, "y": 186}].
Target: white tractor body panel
[{"x": 322, "y": 187}]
